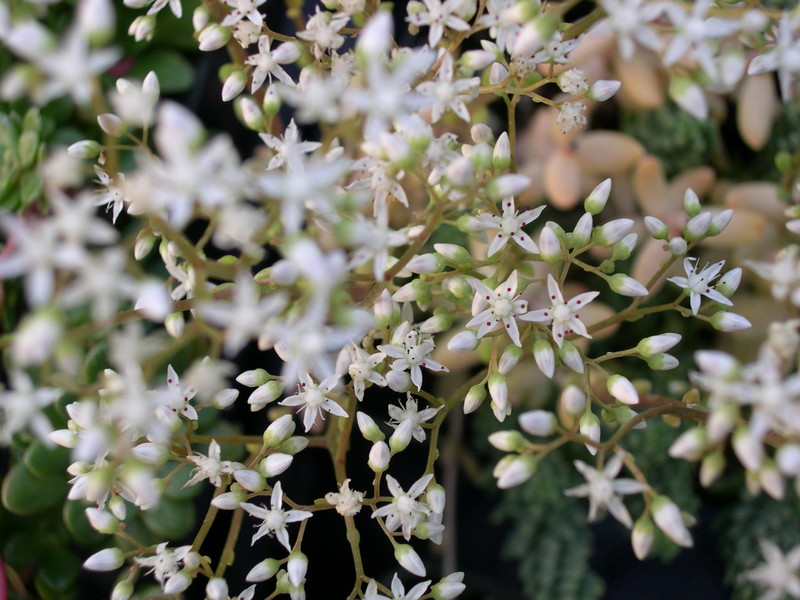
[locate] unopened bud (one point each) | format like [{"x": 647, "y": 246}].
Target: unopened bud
[
  {"x": 379, "y": 456},
  {"x": 728, "y": 321},
  {"x": 642, "y": 537},
  {"x": 677, "y": 246},
  {"x": 213, "y": 37},
  {"x": 626, "y": 286},
  {"x": 509, "y": 359},
  {"x": 622, "y": 389},
  {"x": 571, "y": 356},
  {"x": 596, "y": 201},
  {"x": 540, "y": 423},
  {"x": 612, "y": 232},
  {"x": 656, "y": 228},
  {"x": 697, "y": 227},
  {"x": 603, "y": 89},
  {"x": 507, "y": 441},
  {"x": 668, "y": 517},
  {"x": 549, "y": 245},
  {"x": 691, "y": 203},
  {"x": 474, "y": 398}
]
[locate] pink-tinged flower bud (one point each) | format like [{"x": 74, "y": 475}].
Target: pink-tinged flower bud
[
  {"x": 788, "y": 459},
  {"x": 549, "y": 245},
  {"x": 711, "y": 468},
  {"x": 111, "y": 124},
  {"x": 426, "y": 264},
  {"x": 176, "y": 584},
  {"x": 612, "y": 232},
  {"x": 369, "y": 429},
  {"x": 690, "y": 445},
  {"x": 583, "y": 231},
  {"x": 398, "y": 381},
  {"x": 718, "y": 364},
  {"x": 656, "y": 228},
  {"x": 401, "y": 436},
  {"x": 622, "y": 389},
  {"x": 379, "y": 456},
  {"x": 122, "y": 591},
  {"x": 511, "y": 184},
  {"x": 272, "y": 101},
  {"x": 224, "y": 398},
  {"x": 477, "y": 60},
  {"x": 217, "y": 589},
  {"x": 200, "y": 18},
  {"x": 590, "y": 428},
  {"x": 101, "y": 520},
  {"x": 407, "y": 557},
  {"x": 234, "y": 85},
  {"x": 278, "y": 431},
  {"x": 697, "y": 227},
  {"x": 175, "y": 324},
  {"x": 642, "y": 537},
  {"x": 250, "y": 480},
  {"x": 456, "y": 255},
  {"x": 501, "y": 155},
  {"x": 748, "y": 448},
  {"x": 509, "y": 359},
  {"x": 728, "y": 321},
  {"x": 573, "y": 400},
  {"x": 498, "y": 390},
  {"x": 656, "y": 344},
  {"x": 249, "y": 113},
  {"x": 626, "y": 286},
  {"x": 571, "y": 357},
  {"x": 514, "y": 470},
  {"x": 414, "y": 291},
  {"x": 721, "y": 422},
  {"x": 150, "y": 453},
  {"x": 464, "y": 341},
  {"x": 481, "y": 133},
  {"x": 662, "y": 362},
  {"x": 691, "y": 203},
  {"x": 449, "y": 587},
  {"x": 677, "y": 246},
  {"x": 229, "y": 500},
  {"x": 143, "y": 28},
  {"x": 474, "y": 398},
  {"x": 297, "y": 567},
  {"x": 507, "y": 441},
  {"x": 540, "y": 423},
  {"x": 544, "y": 356},
  {"x": 264, "y": 570},
  {"x": 213, "y": 37},
  {"x": 668, "y": 517},
  {"x": 460, "y": 172},
  {"x": 497, "y": 73},
  {"x": 84, "y": 149},
  {"x": 719, "y": 222},
  {"x": 596, "y": 201},
  {"x": 264, "y": 394},
  {"x": 603, "y": 89},
  {"x": 274, "y": 464},
  {"x": 105, "y": 560}
]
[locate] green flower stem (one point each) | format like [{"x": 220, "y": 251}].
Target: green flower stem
[
  {"x": 613, "y": 355},
  {"x": 226, "y": 558},
  {"x": 208, "y": 521}
]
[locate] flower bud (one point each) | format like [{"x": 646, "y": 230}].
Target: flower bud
[
  {"x": 623, "y": 249},
  {"x": 511, "y": 184},
  {"x": 719, "y": 222},
  {"x": 401, "y": 436},
  {"x": 540, "y": 423},
  {"x": 728, "y": 321},
  {"x": 514, "y": 470},
  {"x": 229, "y": 500},
  {"x": 571, "y": 357},
  {"x": 143, "y": 28},
  {"x": 501, "y": 156},
  {"x": 217, "y": 589},
  {"x": 497, "y": 73},
  {"x": 622, "y": 389},
  {"x": 101, "y": 520},
  {"x": 460, "y": 172},
  {"x": 691, "y": 203},
  {"x": 264, "y": 570},
  {"x": 294, "y": 445},
  {"x": 408, "y": 558},
  {"x": 249, "y": 113},
  {"x": 626, "y": 286},
  {"x": 369, "y": 429},
  {"x": 477, "y": 60},
  {"x": 213, "y": 37},
  {"x": 771, "y": 481},
  {"x": 150, "y": 453},
  {"x": 668, "y": 517},
  {"x": 464, "y": 341},
  {"x": 376, "y": 37},
  {"x": 435, "y": 498},
  {"x": 122, "y": 591},
  {"x": 426, "y": 264},
  {"x": 590, "y": 428},
  {"x": 748, "y": 448},
  {"x": 549, "y": 245},
  {"x": 656, "y": 228},
  {"x": 272, "y": 101},
  {"x": 379, "y": 456},
  {"x": 449, "y": 587},
  {"x": 656, "y": 344},
  {"x": 250, "y": 480},
  {"x": 272, "y": 466},
  {"x": 297, "y": 567},
  {"x": 603, "y": 89},
  {"x": 200, "y": 18},
  {"x": 788, "y": 459},
  {"x": 84, "y": 149},
  {"x": 690, "y": 445},
  {"x": 509, "y": 359},
  {"x": 455, "y": 255},
  {"x": 729, "y": 283},
  {"x": 596, "y": 201},
  {"x": 474, "y": 398},
  {"x": 697, "y": 227},
  {"x": 711, "y": 468},
  {"x": 677, "y": 246},
  {"x": 398, "y": 381},
  {"x": 612, "y": 232},
  {"x": 111, "y": 124},
  {"x": 264, "y": 394},
  {"x": 278, "y": 431},
  {"x": 507, "y": 441},
  {"x": 498, "y": 390},
  {"x": 642, "y": 537},
  {"x": 583, "y": 231},
  {"x": 573, "y": 400},
  {"x": 105, "y": 560},
  {"x": 662, "y": 362}
]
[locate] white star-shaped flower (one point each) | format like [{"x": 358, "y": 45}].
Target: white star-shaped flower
[
  {"x": 243, "y": 9},
  {"x": 562, "y": 314},
  {"x": 210, "y": 467},
  {"x": 510, "y": 224},
  {"x": 274, "y": 519},
  {"x": 491, "y": 308},
  {"x": 780, "y": 573},
  {"x": 312, "y": 399},
  {"x": 604, "y": 490},
  {"x": 698, "y": 283},
  {"x": 408, "y": 419},
  {"x": 361, "y": 369},
  {"x": 398, "y": 590},
  {"x": 405, "y": 511},
  {"x": 412, "y": 353}
]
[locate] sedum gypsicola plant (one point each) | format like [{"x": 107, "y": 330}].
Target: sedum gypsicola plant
[{"x": 393, "y": 253}]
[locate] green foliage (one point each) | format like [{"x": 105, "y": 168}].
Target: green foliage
[
  {"x": 175, "y": 73},
  {"x": 20, "y": 144},
  {"x": 550, "y": 536},
  {"x": 674, "y": 136},
  {"x": 745, "y": 523}
]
